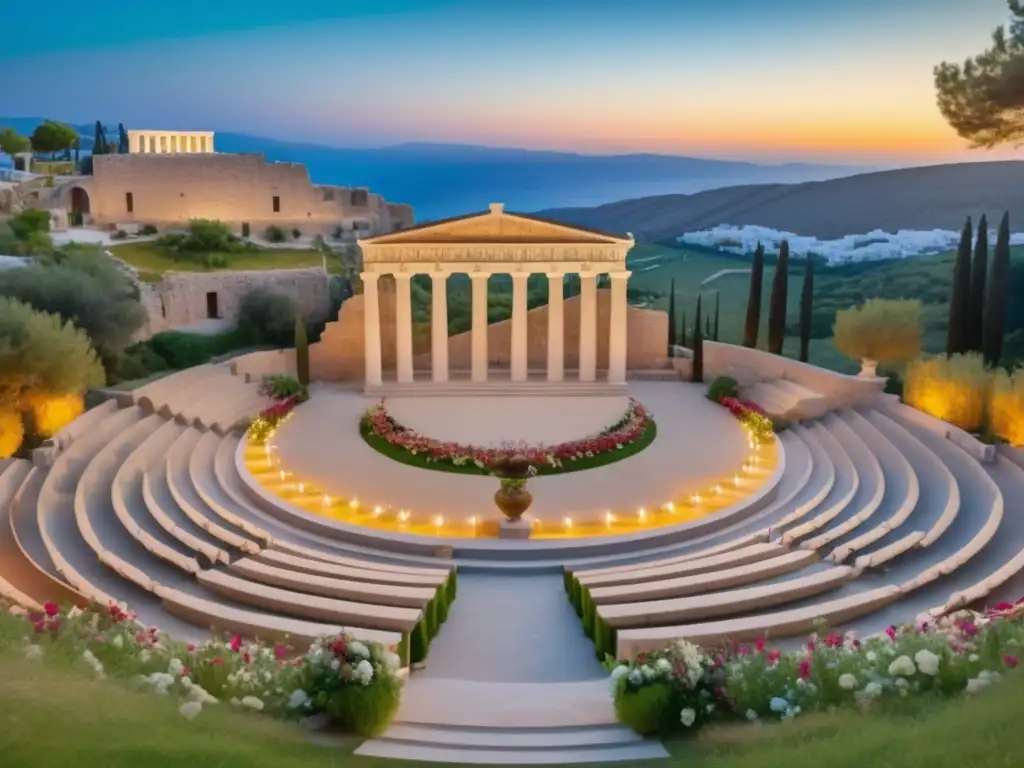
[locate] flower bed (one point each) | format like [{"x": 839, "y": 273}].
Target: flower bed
[
  {"x": 631, "y": 434},
  {"x": 355, "y": 682},
  {"x": 752, "y": 417},
  {"x": 287, "y": 393},
  {"x": 683, "y": 687}
]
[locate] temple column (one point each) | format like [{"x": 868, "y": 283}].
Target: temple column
[
  {"x": 439, "y": 327},
  {"x": 556, "y": 327},
  {"x": 519, "y": 310},
  {"x": 618, "y": 328},
  {"x": 403, "y": 326},
  {"x": 478, "y": 337},
  {"x": 371, "y": 328},
  {"x": 588, "y": 326}
]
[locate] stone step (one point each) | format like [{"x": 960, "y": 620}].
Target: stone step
[
  {"x": 450, "y": 753},
  {"x": 510, "y": 737},
  {"x": 491, "y": 388}
]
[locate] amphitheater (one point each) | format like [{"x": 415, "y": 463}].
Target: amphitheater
[{"x": 867, "y": 514}]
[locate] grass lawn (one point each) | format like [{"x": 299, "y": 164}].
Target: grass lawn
[
  {"x": 153, "y": 263},
  {"x": 403, "y": 456},
  {"x": 62, "y": 720}
]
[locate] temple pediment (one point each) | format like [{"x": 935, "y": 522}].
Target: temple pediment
[{"x": 496, "y": 226}]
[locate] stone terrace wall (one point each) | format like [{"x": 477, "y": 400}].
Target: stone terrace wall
[
  {"x": 167, "y": 190},
  {"x": 181, "y": 297},
  {"x": 339, "y": 354}
]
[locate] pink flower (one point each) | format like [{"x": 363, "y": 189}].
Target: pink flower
[
  {"x": 773, "y": 658},
  {"x": 236, "y": 643},
  {"x": 191, "y": 647},
  {"x": 744, "y": 650},
  {"x": 891, "y": 632},
  {"x": 39, "y": 626},
  {"x": 811, "y": 645},
  {"x": 51, "y": 609},
  {"x": 245, "y": 657},
  {"x": 834, "y": 640},
  {"x": 759, "y": 645},
  {"x": 217, "y": 661},
  {"x": 280, "y": 650},
  {"x": 969, "y": 628},
  {"x": 804, "y": 669},
  {"x": 1003, "y": 607},
  {"x": 1011, "y": 661}
]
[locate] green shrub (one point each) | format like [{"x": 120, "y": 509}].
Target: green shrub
[
  {"x": 296, "y": 233},
  {"x": 280, "y": 386},
  {"x": 266, "y": 316},
  {"x": 185, "y": 350},
  {"x": 367, "y": 710},
  {"x": 147, "y": 229},
  {"x": 419, "y": 643},
  {"x": 28, "y": 222},
  {"x": 643, "y": 710},
  {"x": 273, "y": 234},
  {"x": 723, "y": 386},
  {"x": 245, "y": 229},
  {"x": 138, "y": 362},
  {"x": 118, "y": 235}
]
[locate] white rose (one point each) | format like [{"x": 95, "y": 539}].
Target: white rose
[
  {"x": 298, "y": 698},
  {"x": 118, "y": 641},
  {"x": 663, "y": 666},
  {"x": 175, "y": 667},
  {"x": 847, "y": 682},
  {"x": 252, "y": 703},
  {"x": 871, "y": 656},
  {"x": 973, "y": 658},
  {"x": 335, "y": 665},
  {"x": 903, "y": 666},
  {"x": 927, "y": 662},
  {"x": 976, "y": 685},
  {"x": 687, "y": 717},
  {"x": 190, "y": 709}
]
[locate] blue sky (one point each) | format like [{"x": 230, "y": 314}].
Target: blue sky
[{"x": 782, "y": 80}]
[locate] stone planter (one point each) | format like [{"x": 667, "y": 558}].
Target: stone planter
[
  {"x": 513, "y": 503},
  {"x": 869, "y": 369}
]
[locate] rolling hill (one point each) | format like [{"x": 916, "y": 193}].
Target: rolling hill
[{"x": 926, "y": 198}]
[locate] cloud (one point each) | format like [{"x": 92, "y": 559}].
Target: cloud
[{"x": 872, "y": 246}]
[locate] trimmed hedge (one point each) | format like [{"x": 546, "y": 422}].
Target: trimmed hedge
[
  {"x": 599, "y": 631},
  {"x": 416, "y": 644}
]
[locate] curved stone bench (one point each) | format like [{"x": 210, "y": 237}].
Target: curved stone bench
[
  {"x": 358, "y": 591},
  {"x": 786, "y": 623},
  {"x": 14, "y": 568},
  {"x": 253, "y": 624},
  {"x": 306, "y": 606},
  {"x": 815, "y": 493},
  {"x": 84, "y": 424},
  {"x": 861, "y": 443},
  {"x": 181, "y": 405},
  {"x": 902, "y": 483},
  {"x": 726, "y": 603},
  {"x": 24, "y": 559},
  {"x": 655, "y": 570},
  {"x": 246, "y": 406},
  {"x": 202, "y": 473},
  {"x": 73, "y": 557},
  {"x": 177, "y": 468},
  {"x": 154, "y": 397},
  {"x": 132, "y": 509},
  {"x": 354, "y": 570},
  {"x": 706, "y": 582},
  {"x": 845, "y": 488},
  {"x": 158, "y": 500}
]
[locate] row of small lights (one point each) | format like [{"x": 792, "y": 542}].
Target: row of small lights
[{"x": 403, "y": 515}]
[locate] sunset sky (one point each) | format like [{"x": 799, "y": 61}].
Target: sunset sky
[{"x": 811, "y": 80}]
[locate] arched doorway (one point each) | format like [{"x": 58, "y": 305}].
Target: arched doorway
[{"x": 79, "y": 206}]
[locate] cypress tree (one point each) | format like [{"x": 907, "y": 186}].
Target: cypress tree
[
  {"x": 979, "y": 276},
  {"x": 99, "y": 140},
  {"x": 707, "y": 326},
  {"x": 682, "y": 335},
  {"x": 960, "y": 296},
  {"x": 753, "y": 320},
  {"x": 697, "y": 371},
  {"x": 672, "y": 318},
  {"x": 301, "y": 352},
  {"x": 718, "y": 301},
  {"x": 777, "y": 306},
  {"x": 806, "y": 311},
  {"x": 122, "y": 140},
  {"x": 995, "y": 307}
]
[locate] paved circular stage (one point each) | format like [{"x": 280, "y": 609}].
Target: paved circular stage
[{"x": 700, "y": 462}]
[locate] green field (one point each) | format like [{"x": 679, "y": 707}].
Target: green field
[
  {"x": 153, "y": 263},
  {"x": 54, "y": 717}
]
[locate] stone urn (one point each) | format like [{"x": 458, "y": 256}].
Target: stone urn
[{"x": 512, "y": 498}]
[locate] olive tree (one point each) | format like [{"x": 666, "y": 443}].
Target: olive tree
[{"x": 879, "y": 331}]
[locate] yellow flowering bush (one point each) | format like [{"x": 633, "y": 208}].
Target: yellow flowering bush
[
  {"x": 954, "y": 389},
  {"x": 1006, "y": 407},
  {"x": 11, "y": 433},
  {"x": 50, "y": 413}
]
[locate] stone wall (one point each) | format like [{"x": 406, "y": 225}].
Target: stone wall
[
  {"x": 339, "y": 354},
  {"x": 181, "y": 298},
  {"x": 168, "y": 190}
]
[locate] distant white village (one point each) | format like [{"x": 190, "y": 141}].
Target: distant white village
[{"x": 872, "y": 246}]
